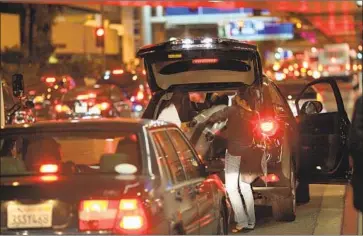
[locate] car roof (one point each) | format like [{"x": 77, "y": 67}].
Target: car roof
[{"x": 97, "y": 125}]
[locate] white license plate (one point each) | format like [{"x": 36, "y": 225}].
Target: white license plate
[
  {"x": 81, "y": 107},
  {"x": 29, "y": 216}
]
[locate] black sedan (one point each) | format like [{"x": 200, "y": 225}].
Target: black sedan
[
  {"x": 293, "y": 145},
  {"x": 117, "y": 176},
  {"x": 93, "y": 102},
  {"x": 134, "y": 86}
]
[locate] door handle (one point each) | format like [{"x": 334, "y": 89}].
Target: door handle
[{"x": 178, "y": 196}]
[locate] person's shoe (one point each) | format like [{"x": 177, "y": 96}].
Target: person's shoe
[{"x": 241, "y": 228}]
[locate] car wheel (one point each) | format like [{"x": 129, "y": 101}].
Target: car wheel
[
  {"x": 285, "y": 209},
  {"x": 222, "y": 228}
]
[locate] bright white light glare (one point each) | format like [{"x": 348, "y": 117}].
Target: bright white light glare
[
  {"x": 289, "y": 97},
  {"x": 305, "y": 64},
  {"x": 280, "y": 76},
  {"x": 187, "y": 41},
  {"x": 138, "y": 108},
  {"x": 207, "y": 40},
  {"x": 316, "y": 74},
  {"x": 107, "y": 72},
  {"x": 359, "y": 3},
  {"x": 318, "y": 167},
  {"x": 280, "y": 50},
  {"x": 313, "y": 49},
  {"x": 359, "y": 55},
  {"x": 277, "y": 56},
  {"x": 172, "y": 39},
  {"x": 106, "y": 77}
]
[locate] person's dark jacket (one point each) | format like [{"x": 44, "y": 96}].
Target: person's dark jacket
[
  {"x": 356, "y": 150},
  {"x": 239, "y": 131}
]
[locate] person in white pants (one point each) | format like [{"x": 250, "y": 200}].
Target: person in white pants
[
  {"x": 239, "y": 138},
  {"x": 238, "y": 191}
]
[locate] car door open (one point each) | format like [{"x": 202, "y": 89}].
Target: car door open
[{"x": 323, "y": 128}]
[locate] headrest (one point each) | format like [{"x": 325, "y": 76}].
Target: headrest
[{"x": 108, "y": 162}]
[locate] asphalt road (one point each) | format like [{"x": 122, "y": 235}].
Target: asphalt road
[{"x": 325, "y": 214}]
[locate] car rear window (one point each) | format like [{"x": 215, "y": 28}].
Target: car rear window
[
  {"x": 73, "y": 153},
  {"x": 202, "y": 70}
]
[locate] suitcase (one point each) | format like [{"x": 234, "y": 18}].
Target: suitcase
[{"x": 204, "y": 137}]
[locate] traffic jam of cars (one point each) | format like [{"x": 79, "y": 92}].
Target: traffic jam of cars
[{"x": 104, "y": 161}]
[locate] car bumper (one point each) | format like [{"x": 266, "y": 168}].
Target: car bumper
[{"x": 53, "y": 232}]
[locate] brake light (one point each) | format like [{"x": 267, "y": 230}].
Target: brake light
[
  {"x": 62, "y": 108},
  {"x": 140, "y": 95},
  {"x": 268, "y": 127},
  {"x": 95, "y": 206},
  {"x": 50, "y": 80},
  {"x": 49, "y": 178},
  {"x": 117, "y": 72},
  {"x": 48, "y": 168},
  {"x": 205, "y": 61},
  {"x": 104, "y": 106},
  {"x": 270, "y": 178},
  {"x": 126, "y": 216},
  {"x": 128, "y": 204}
]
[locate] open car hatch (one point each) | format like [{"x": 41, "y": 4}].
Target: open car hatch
[{"x": 197, "y": 64}]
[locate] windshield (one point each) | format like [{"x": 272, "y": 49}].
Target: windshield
[
  {"x": 25, "y": 154},
  {"x": 203, "y": 70}
]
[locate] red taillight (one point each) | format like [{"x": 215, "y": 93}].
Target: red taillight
[
  {"x": 205, "y": 61},
  {"x": 117, "y": 72},
  {"x": 268, "y": 127},
  {"x": 140, "y": 95},
  {"x": 48, "y": 168},
  {"x": 49, "y": 178},
  {"x": 126, "y": 216},
  {"x": 50, "y": 80},
  {"x": 62, "y": 108},
  {"x": 104, "y": 106},
  {"x": 270, "y": 178},
  {"x": 58, "y": 108}
]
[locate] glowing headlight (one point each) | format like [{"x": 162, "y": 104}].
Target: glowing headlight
[
  {"x": 187, "y": 41},
  {"x": 207, "y": 40}
]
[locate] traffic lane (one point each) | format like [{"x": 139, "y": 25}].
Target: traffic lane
[{"x": 322, "y": 215}]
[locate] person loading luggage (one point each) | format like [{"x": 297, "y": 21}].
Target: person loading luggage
[{"x": 239, "y": 140}]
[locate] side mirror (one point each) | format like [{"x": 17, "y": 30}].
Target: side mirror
[
  {"x": 311, "y": 107},
  {"x": 18, "y": 85}
]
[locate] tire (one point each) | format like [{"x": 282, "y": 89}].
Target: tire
[
  {"x": 222, "y": 228},
  {"x": 285, "y": 209}
]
